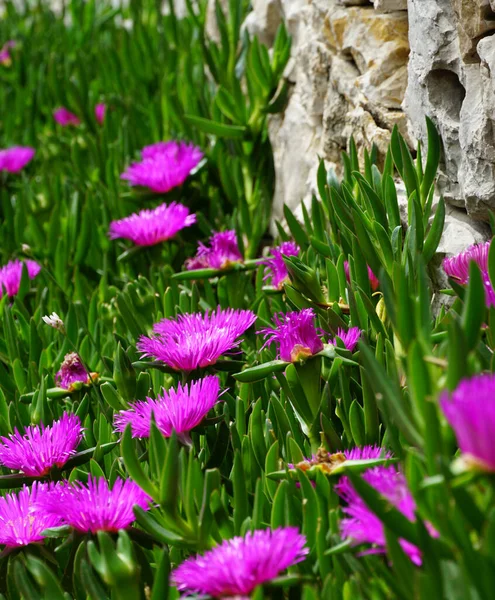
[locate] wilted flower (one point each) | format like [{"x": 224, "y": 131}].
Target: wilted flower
[
  {"x": 362, "y": 526},
  {"x": 275, "y": 265},
  {"x": 64, "y": 117},
  {"x": 295, "y": 335},
  {"x": 164, "y": 165},
  {"x": 54, "y": 321},
  {"x": 21, "y": 523},
  {"x": 175, "y": 410},
  {"x": 235, "y": 567},
  {"x": 196, "y": 340},
  {"x": 457, "y": 267},
  {"x": 374, "y": 283},
  {"x": 94, "y": 506},
  {"x": 40, "y": 448},
  {"x": 349, "y": 337},
  {"x": 15, "y": 158},
  {"x": 11, "y": 274},
  {"x": 470, "y": 410},
  {"x": 71, "y": 372},
  {"x": 152, "y": 226},
  {"x": 5, "y": 58},
  {"x": 221, "y": 254},
  {"x": 100, "y": 110},
  {"x": 328, "y": 461}
]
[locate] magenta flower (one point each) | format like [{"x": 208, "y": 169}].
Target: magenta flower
[
  {"x": 362, "y": 526},
  {"x": 196, "y": 340},
  {"x": 40, "y": 448},
  {"x": 237, "y": 566},
  {"x": 366, "y": 453},
  {"x": 374, "y": 283},
  {"x": 14, "y": 159},
  {"x": 71, "y": 372},
  {"x": 94, "y": 506},
  {"x": 20, "y": 521},
  {"x": 295, "y": 334},
  {"x": 275, "y": 269},
  {"x": 470, "y": 411},
  {"x": 175, "y": 410},
  {"x": 152, "y": 226},
  {"x": 11, "y": 274},
  {"x": 221, "y": 254},
  {"x": 5, "y": 58},
  {"x": 100, "y": 110},
  {"x": 65, "y": 118},
  {"x": 457, "y": 267},
  {"x": 164, "y": 165},
  {"x": 349, "y": 337}
]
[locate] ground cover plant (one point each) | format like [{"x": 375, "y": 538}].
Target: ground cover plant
[{"x": 189, "y": 407}]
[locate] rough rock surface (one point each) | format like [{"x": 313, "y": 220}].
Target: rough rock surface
[
  {"x": 451, "y": 80},
  {"x": 349, "y": 75},
  {"x": 359, "y": 67}
]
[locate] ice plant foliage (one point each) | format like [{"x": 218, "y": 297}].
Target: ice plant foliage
[
  {"x": 361, "y": 525},
  {"x": 11, "y": 274},
  {"x": 222, "y": 252},
  {"x": 164, "y": 165},
  {"x": 295, "y": 335},
  {"x": 470, "y": 410},
  {"x": 237, "y": 566},
  {"x": 350, "y": 338},
  {"x": 275, "y": 270},
  {"x": 71, "y": 371},
  {"x": 14, "y": 159},
  {"x": 100, "y": 110},
  {"x": 374, "y": 283},
  {"x": 21, "y": 521},
  {"x": 64, "y": 117},
  {"x": 40, "y": 448},
  {"x": 196, "y": 340},
  {"x": 95, "y": 506},
  {"x": 457, "y": 267},
  {"x": 174, "y": 410},
  {"x": 152, "y": 226}
]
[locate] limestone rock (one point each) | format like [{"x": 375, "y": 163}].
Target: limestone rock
[
  {"x": 296, "y": 14},
  {"x": 360, "y": 67},
  {"x": 473, "y": 20},
  {"x": 460, "y": 232},
  {"x": 379, "y": 46},
  {"x": 457, "y": 93},
  {"x": 180, "y": 8},
  {"x": 264, "y": 20},
  {"x": 354, "y": 2},
  {"x": 295, "y": 155},
  {"x": 390, "y": 5}
]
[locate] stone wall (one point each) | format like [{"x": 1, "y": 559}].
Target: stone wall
[
  {"x": 359, "y": 67},
  {"x": 451, "y": 79}
]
